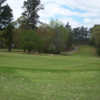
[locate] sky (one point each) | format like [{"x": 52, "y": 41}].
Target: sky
[{"x": 76, "y": 12}]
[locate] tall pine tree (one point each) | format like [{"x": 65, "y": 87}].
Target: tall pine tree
[
  {"x": 5, "y": 14},
  {"x": 31, "y": 13}
]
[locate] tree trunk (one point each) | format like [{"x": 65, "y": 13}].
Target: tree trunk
[{"x": 10, "y": 48}]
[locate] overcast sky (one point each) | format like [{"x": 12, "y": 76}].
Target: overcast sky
[{"x": 76, "y": 12}]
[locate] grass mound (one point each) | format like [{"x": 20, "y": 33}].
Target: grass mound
[{"x": 86, "y": 50}]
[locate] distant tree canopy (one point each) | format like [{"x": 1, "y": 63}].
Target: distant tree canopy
[
  {"x": 96, "y": 37},
  {"x": 5, "y": 21},
  {"x": 54, "y": 37},
  {"x": 5, "y": 15},
  {"x": 80, "y": 35},
  {"x": 61, "y": 38},
  {"x": 47, "y": 38},
  {"x": 29, "y": 40},
  {"x": 31, "y": 13},
  {"x": 70, "y": 37}
]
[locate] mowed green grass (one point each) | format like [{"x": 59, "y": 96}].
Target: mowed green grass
[{"x": 49, "y": 77}]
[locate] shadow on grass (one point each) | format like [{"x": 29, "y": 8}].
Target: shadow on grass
[{"x": 14, "y": 69}]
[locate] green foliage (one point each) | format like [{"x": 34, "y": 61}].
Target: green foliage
[
  {"x": 5, "y": 15},
  {"x": 46, "y": 35},
  {"x": 55, "y": 37},
  {"x": 17, "y": 38},
  {"x": 8, "y": 35},
  {"x": 96, "y": 37},
  {"x": 70, "y": 36},
  {"x": 31, "y": 13},
  {"x": 5, "y": 20},
  {"x": 29, "y": 40},
  {"x": 2, "y": 40},
  {"x": 61, "y": 37},
  {"x": 1, "y": 33},
  {"x": 81, "y": 35}
]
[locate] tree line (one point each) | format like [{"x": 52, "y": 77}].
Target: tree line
[{"x": 55, "y": 37}]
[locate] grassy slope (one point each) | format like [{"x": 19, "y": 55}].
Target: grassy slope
[
  {"x": 86, "y": 50},
  {"x": 28, "y": 77}
]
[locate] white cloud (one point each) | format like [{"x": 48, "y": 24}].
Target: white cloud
[
  {"x": 86, "y": 20},
  {"x": 88, "y": 10},
  {"x": 73, "y": 23},
  {"x": 90, "y": 14}
]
